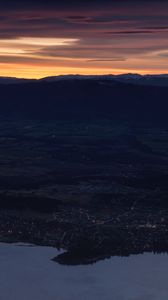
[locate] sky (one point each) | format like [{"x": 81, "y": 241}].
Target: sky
[{"x": 47, "y": 38}]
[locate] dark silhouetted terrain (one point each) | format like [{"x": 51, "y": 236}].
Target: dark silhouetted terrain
[{"x": 84, "y": 166}]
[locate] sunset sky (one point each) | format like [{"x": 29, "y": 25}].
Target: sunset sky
[{"x": 45, "y": 38}]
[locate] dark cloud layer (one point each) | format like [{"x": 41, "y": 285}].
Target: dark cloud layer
[{"x": 73, "y": 3}]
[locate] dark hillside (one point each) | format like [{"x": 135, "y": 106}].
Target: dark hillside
[{"x": 84, "y": 99}]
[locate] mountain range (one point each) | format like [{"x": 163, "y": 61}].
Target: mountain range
[
  {"x": 92, "y": 97},
  {"x": 156, "y": 80}
]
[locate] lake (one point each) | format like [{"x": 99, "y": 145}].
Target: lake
[{"x": 27, "y": 273}]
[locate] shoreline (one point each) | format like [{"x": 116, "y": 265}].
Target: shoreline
[{"x": 84, "y": 244}]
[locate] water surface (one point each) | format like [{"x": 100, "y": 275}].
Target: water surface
[{"x": 27, "y": 273}]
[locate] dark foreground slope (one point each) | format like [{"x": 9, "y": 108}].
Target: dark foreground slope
[
  {"x": 84, "y": 166},
  {"x": 84, "y": 99}
]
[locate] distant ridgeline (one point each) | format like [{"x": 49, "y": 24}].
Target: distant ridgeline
[{"x": 123, "y": 99}]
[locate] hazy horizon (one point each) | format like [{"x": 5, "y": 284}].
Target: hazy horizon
[{"x": 83, "y": 75}]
